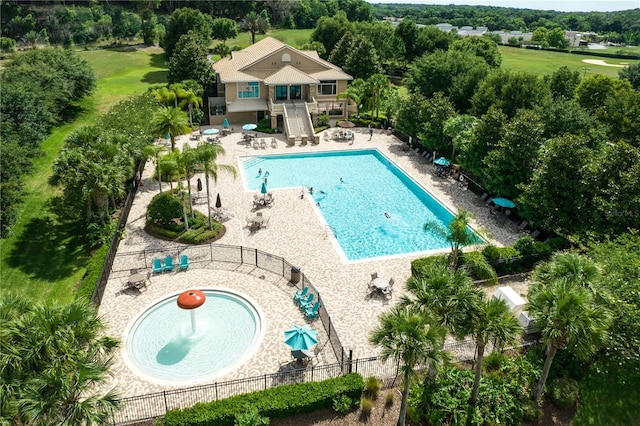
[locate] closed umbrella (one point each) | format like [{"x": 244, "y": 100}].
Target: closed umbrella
[
  {"x": 301, "y": 338},
  {"x": 263, "y": 189},
  {"x": 249, "y": 126},
  {"x": 218, "y": 202},
  {"x": 199, "y": 186},
  {"x": 225, "y": 123}
]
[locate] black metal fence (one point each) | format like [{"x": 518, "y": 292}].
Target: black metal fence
[
  {"x": 96, "y": 297},
  {"x": 238, "y": 255},
  {"x": 150, "y": 406}
]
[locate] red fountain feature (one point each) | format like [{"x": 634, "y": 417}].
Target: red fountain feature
[{"x": 190, "y": 300}]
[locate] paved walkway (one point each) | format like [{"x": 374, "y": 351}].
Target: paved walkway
[{"x": 294, "y": 233}]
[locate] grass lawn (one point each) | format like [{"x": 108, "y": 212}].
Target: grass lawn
[
  {"x": 545, "y": 62},
  {"x": 295, "y": 38},
  {"x": 609, "y": 395},
  {"x": 45, "y": 258}
]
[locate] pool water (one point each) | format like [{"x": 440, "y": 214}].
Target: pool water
[
  {"x": 354, "y": 209},
  {"x": 162, "y": 347}
]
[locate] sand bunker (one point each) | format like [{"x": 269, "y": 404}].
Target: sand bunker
[{"x": 601, "y": 62}]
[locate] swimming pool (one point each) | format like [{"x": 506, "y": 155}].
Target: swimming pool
[
  {"x": 162, "y": 347},
  {"x": 355, "y": 207}
]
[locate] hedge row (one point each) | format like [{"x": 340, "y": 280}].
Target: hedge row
[
  {"x": 278, "y": 402},
  {"x": 494, "y": 261}
]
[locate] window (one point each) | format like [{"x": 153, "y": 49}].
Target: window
[
  {"x": 248, "y": 90},
  {"x": 286, "y": 57},
  {"x": 328, "y": 87}
]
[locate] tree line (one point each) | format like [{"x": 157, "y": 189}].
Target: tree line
[
  {"x": 40, "y": 89},
  {"x": 74, "y": 22}
]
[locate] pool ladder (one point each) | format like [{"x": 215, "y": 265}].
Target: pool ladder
[{"x": 330, "y": 230}]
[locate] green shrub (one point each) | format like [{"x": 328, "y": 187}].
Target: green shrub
[
  {"x": 420, "y": 266},
  {"x": 366, "y": 407},
  {"x": 558, "y": 244},
  {"x": 531, "y": 412},
  {"x": 525, "y": 245},
  {"x": 163, "y": 208},
  {"x": 490, "y": 252},
  {"x": 493, "y": 361},
  {"x": 388, "y": 399},
  {"x": 478, "y": 267},
  {"x": 264, "y": 126},
  {"x": 372, "y": 387},
  {"x": 564, "y": 393},
  {"x": 90, "y": 278},
  {"x": 342, "y": 404},
  {"x": 250, "y": 417},
  {"x": 7, "y": 45},
  {"x": 323, "y": 120},
  {"x": 278, "y": 402}
]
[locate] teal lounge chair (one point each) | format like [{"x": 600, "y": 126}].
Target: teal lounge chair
[
  {"x": 312, "y": 311},
  {"x": 168, "y": 263},
  {"x": 304, "y": 304},
  {"x": 184, "y": 262},
  {"x": 300, "y": 295},
  {"x": 157, "y": 266}
]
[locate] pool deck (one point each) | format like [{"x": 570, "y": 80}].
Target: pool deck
[{"x": 294, "y": 233}]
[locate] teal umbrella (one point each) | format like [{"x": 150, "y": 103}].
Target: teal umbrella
[
  {"x": 211, "y": 131},
  {"x": 249, "y": 126},
  {"x": 301, "y": 338},
  {"x": 263, "y": 190},
  {"x": 442, "y": 162},
  {"x": 503, "y": 202},
  {"x": 225, "y": 123}
]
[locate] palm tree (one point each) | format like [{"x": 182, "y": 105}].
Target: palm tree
[
  {"x": 57, "y": 356},
  {"x": 191, "y": 99},
  {"x": 170, "y": 120},
  {"x": 163, "y": 94},
  {"x": 410, "y": 338},
  {"x": 188, "y": 162},
  {"x": 448, "y": 295},
  {"x": 569, "y": 317},
  {"x": 572, "y": 268},
  {"x": 378, "y": 85},
  {"x": 456, "y": 233},
  {"x": 207, "y": 155},
  {"x": 151, "y": 151},
  {"x": 493, "y": 320},
  {"x": 256, "y": 24},
  {"x": 351, "y": 94}
]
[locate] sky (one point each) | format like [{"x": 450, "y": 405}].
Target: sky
[{"x": 559, "y": 5}]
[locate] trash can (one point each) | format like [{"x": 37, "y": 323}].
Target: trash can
[
  {"x": 390, "y": 131},
  {"x": 295, "y": 275}
]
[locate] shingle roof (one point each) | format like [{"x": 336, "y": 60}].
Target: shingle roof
[
  {"x": 236, "y": 68},
  {"x": 290, "y": 74}
]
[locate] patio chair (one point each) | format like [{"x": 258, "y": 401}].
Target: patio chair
[
  {"x": 535, "y": 234},
  {"x": 483, "y": 197},
  {"x": 263, "y": 143},
  {"x": 168, "y": 263},
  {"x": 274, "y": 143},
  {"x": 157, "y": 266},
  {"x": 299, "y": 296},
  {"x": 304, "y": 304},
  {"x": 374, "y": 276},
  {"x": 522, "y": 225},
  {"x": 312, "y": 311},
  {"x": 184, "y": 262}
]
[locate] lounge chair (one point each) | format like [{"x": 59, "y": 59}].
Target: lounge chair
[
  {"x": 304, "y": 304},
  {"x": 184, "y": 262},
  {"x": 300, "y": 295},
  {"x": 483, "y": 197},
  {"x": 535, "y": 234},
  {"x": 312, "y": 311},
  {"x": 168, "y": 263},
  {"x": 274, "y": 143},
  {"x": 263, "y": 144},
  {"x": 522, "y": 225},
  {"x": 157, "y": 266}
]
